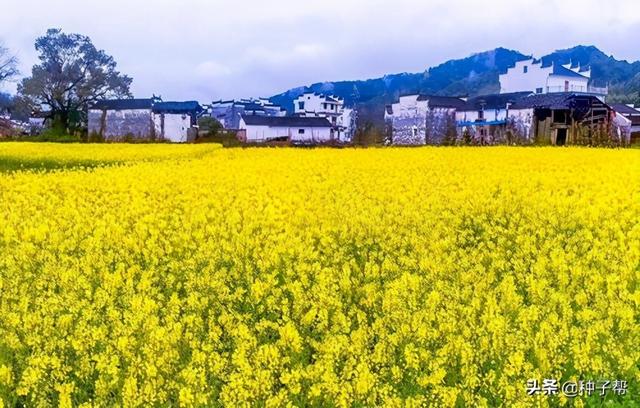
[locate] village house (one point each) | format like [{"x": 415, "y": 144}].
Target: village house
[
  {"x": 176, "y": 121},
  {"x": 486, "y": 117},
  {"x": 118, "y": 118},
  {"x": 229, "y": 112},
  {"x": 312, "y": 104},
  {"x": 533, "y": 75},
  {"x": 420, "y": 119},
  {"x": 631, "y": 113},
  {"x": 519, "y": 117},
  {"x": 293, "y": 129},
  {"x": 552, "y": 118},
  {"x": 144, "y": 119}
]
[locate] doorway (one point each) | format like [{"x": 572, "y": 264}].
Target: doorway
[{"x": 561, "y": 137}]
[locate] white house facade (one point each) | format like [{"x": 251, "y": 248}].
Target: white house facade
[
  {"x": 312, "y": 104},
  {"x": 534, "y": 76},
  {"x": 145, "y": 119},
  {"x": 303, "y": 130},
  {"x": 414, "y": 118}
]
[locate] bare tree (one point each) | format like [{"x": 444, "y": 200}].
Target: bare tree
[
  {"x": 8, "y": 64},
  {"x": 71, "y": 75}
]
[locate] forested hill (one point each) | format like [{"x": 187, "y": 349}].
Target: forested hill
[{"x": 474, "y": 75}]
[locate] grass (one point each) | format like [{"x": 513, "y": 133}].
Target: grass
[
  {"x": 25, "y": 156},
  {"x": 11, "y": 164}
]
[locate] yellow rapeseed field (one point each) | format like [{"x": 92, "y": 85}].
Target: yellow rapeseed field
[{"x": 290, "y": 277}]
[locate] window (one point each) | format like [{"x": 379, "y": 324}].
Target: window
[
  {"x": 415, "y": 131},
  {"x": 301, "y": 105},
  {"x": 525, "y": 69},
  {"x": 560, "y": 117},
  {"x": 539, "y": 90},
  {"x": 324, "y": 106},
  {"x": 481, "y": 114},
  {"x": 301, "y": 131}
]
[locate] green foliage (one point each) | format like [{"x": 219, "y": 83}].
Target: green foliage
[
  {"x": 225, "y": 138},
  {"x": 467, "y": 137},
  {"x": 209, "y": 126},
  {"x": 370, "y": 135}
]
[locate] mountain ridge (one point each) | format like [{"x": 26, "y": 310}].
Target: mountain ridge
[{"x": 470, "y": 76}]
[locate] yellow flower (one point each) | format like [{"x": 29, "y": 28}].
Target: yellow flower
[{"x": 145, "y": 275}]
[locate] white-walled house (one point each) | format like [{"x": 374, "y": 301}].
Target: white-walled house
[
  {"x": 312, "y": 104},
  {"x": 296, "y": 129},
  {"x": 228, "y": 112},
  {"x": 556, "y": 118},
  {"x": 176, "y": 121},
  {"x": 413, "y": 118},
  {"x": 492, "y": 109},
  {"x": 534, "y": 76},
  {"x": 145, "y": 119}
]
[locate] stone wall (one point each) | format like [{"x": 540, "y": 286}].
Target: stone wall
[{"x": 116, "y": 125}]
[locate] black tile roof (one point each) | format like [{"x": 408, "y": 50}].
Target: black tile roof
[
  {"x": 123, "y": 104},
  {"x": 286, "y": 121},
  {"x": 624, "y": 109},
  {"x": 251, "y": 106},
  {"x": 560, "y": 70},
  {"x": 494, "y": 101},
  {"x": 558, "y": 100},
  {"x": 172, "y": 106},
  {"x": 436, "y": 101}
]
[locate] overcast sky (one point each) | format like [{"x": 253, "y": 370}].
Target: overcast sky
[{"x": 210, "y": 49}]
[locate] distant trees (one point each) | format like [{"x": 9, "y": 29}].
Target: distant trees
[
  {"x": 8, "y": 65},
  {"x": 72, "y": 74},
  {"x": 368, "y": 134},
  {"x": 209, "y": 126}
]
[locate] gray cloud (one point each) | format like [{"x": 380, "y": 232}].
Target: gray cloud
[{"x": 220, "y": 49}]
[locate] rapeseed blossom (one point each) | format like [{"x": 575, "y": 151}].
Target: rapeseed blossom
[{"x": 195, "y": 276}]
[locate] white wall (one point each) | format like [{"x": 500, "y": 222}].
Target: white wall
[
  {"x": 176, "y": 126},
  {"x": 556, "y": 83},
  {"x": 264, "y": 133},
  {"x": 409, "y": 120},
  {"x": 316, "y": 104},
  {"x": 489, "y": 115},
  {"x": 516, "y": 80},
  {"x": 347, "y": 121}
]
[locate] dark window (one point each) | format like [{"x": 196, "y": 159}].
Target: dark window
[
  {"x": 539, "y": 90},
  {"x": 560, "y": 117},
  {"x": 301, "y": 131},
  {"x": 525, "y": 69},
  {"x": 324, "y": 106},
  {"x": 480, "y": 114},
  {"x": 301, "y": 105}
]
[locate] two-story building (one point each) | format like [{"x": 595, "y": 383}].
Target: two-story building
[
  {"x": 312, "y": 104},
  {"x": 535, "y": 76}
]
